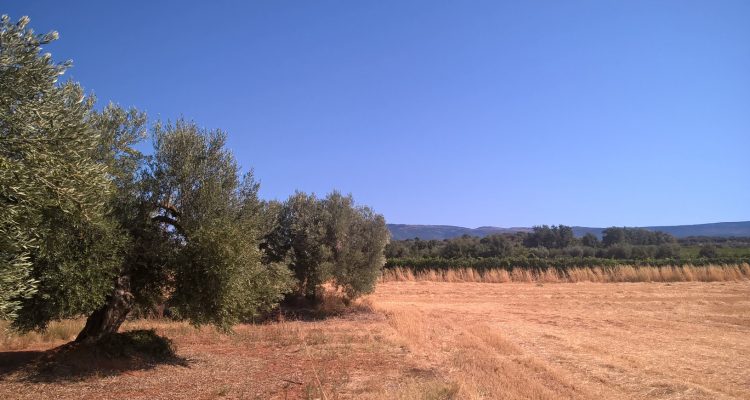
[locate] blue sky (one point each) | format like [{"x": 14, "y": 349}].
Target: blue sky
[{"x": 593, "y": 113}]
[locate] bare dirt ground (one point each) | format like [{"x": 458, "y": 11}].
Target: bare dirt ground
[{"x": 445, "y": 340}]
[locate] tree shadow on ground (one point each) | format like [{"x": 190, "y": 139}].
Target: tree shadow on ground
[
  {"x": 12, "y": 361},
  {"x": 116, "y": 354},
  {"x": 306, "y": 309}
]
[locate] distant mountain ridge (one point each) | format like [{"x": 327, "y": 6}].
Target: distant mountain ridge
[{"x": 440, "y": 232}]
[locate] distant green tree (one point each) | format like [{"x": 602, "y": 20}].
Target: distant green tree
[
  {"x": 496, "y": 246},
  {"x": 590, "y": 240},
  {"x": 398, "y": 249},
  {"x": 612, "y": 236},
  {"x": 539, "y": 252},
  {"x": 667, "y": 250},
  {"x": 574, "y": 251},
  {"x": 619, "y": 251},
  {"x": 708, "y": 251},
  {"x": 635, "y": 236},
  {"x": 641, "y": 252},
  {"x": 555, "y": 237}
]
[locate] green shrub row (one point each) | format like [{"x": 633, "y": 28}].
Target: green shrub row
[{"x": 562, "y": 263}]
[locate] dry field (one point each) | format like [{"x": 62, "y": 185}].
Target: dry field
[{"x": 439, "y": 340}]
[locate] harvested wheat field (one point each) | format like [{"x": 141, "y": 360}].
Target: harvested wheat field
[{"x": 438, "y": 340}]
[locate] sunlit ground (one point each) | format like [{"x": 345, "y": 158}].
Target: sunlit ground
[{"x": 686, "y": 340}]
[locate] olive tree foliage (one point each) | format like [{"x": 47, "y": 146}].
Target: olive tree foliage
[
  {"x": 192, "y": 227},
  {"x": 141, "y": 272},
  {"x": 58, "y": 251},
  {"x": 357, "y": 237},
  {"x": 131, "y": 204},
  {"x": 297, "y": 240},
  {"x": 91, "y": 226},
  {"x": 328, "y": 240},
  {"x": 213, "y": 220}
]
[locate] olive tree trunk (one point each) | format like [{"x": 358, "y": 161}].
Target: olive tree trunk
[{"x": 110, "y": 316}]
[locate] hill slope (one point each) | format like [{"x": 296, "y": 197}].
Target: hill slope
[{"x": 440, "y": 232}]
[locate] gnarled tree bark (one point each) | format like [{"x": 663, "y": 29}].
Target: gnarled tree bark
[
  {"x": 107, "y": 319},
  {"x": 110, "y": 316}
]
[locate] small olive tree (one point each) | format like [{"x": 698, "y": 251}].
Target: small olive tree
[
  {"x": 297, "y": 240},
  {"x": 328, "y": 240},
  {"x": 357, "y": 237}
]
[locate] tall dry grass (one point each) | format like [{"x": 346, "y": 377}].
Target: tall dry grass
[
  {"x": 622, "y": 273},
  {"x": 57, "y": 331}
]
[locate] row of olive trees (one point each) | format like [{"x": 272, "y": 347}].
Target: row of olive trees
[{"x": 91, "y": 226}]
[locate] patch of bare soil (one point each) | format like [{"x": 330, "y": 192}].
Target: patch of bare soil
[{"x": 352, "y": 356}]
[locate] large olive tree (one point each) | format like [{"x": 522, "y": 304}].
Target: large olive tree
[
  {"x": 192, "y": 226},
  {"x": 212, "y": 217},
  {"x": 90, "y": 226}
]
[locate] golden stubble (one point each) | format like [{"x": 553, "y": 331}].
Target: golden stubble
[
  {"x": 683, "y": 340},
  {"x": 418, "y": 339}
]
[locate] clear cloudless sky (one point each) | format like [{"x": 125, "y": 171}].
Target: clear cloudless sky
[{"x": 469, "y": 113}]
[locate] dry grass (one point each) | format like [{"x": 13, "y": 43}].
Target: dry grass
[
  {"x": 352, "y": 355},
  {"x": 685, "y": 340},
  {"x": 623, "y": 273},
  {"x": 57, "y": 332},
  {"x": 476, "y": 360},
  {"x": 438, "y": 340}
]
